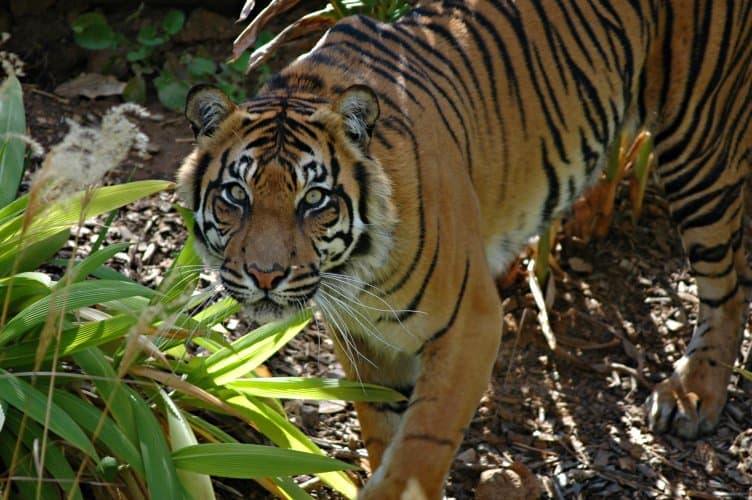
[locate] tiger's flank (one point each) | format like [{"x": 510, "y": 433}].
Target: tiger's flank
[{"x": 394, "y": 171}]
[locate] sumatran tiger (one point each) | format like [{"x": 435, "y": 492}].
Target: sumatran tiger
[{"x": 391, "y": 173}]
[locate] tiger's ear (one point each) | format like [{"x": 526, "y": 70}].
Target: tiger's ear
[
  {"x": 359, "y": 108},
  {"x": 206, "y": 107}
]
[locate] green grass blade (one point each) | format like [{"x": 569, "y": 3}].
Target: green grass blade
[
  {"x": 72, "y": 340},
  {"x": 32, "y": 254},
  {"x": 198, "y": 485},
  {"x": 291, "y": 488},
  {"x": 30, "y": 400},
  {"x": 13, "y": 210},
  {"x": 73, "y": 297},
  {"x": 3, "y": 414},
  {"x": 184, "y": 272},
  {"x": 23, "y": 468},
  {"x": 92, "y": 262},
  {"x": 161, "y": 476},
  {"x": 314, "y": 388},
  {"x": 12, "y": 121},
  {"x": 55, "y": 462},
  {"x": 109, "y": 436},
  {"x": 64, "y": 214},
  {"x": 249, "y": 351},
  {"x": 250, "y": 461},
  {"x": 207, "y": 429},
  {"x": 284, "y": 434},
  {"x": 22, "y": 286},
  {"x": 111, "y": 389}
]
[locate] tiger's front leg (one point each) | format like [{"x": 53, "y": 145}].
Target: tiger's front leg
[
  {"x": 690, "y": 401},
  {"x": 417, "y": 441}
]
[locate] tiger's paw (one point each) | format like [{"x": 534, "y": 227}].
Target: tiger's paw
[
  {"x": 409, "y": 490},
  {"x": 690, "y": 402}
]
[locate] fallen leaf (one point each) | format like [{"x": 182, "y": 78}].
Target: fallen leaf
[{"x": 91, "y": 85}]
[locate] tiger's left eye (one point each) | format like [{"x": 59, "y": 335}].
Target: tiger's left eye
[
  {"x": 235, "y": 193},
  {"x": 314, "y": 196}
]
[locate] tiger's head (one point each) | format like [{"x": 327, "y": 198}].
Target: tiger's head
[{"x": 285, "y": 194}]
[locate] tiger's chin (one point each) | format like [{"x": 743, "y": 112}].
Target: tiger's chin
[{"x": 265, "y": 311}]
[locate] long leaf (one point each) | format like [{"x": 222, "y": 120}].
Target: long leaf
[
  {"x": 73, "y": 297},
  {"x": 198, "y": 486},
  {"x": 64, "y": 214},
  {"x": 92, "y": 262},
  {"x": 314, "y": 388},
  {"x": 109, "y": 435},
  {"x": 249, "y": 351},
  {"x": 111, "y": 389},
  {"x": 72, "y": 340},
  {"x": 24, "y": 285},
  {"x": 284, "y": 434},
  {"x": 23, "y": 468},
  {"x": 12, "y": 121},
  {"x": 55, "y": 462},
  {"x": 30, "y": 400},
  {"x": 161, "y": 475},
  {"x": 251, "y": 461}
]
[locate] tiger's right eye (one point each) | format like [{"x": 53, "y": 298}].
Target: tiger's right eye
[{"x": 235, "y": 193}]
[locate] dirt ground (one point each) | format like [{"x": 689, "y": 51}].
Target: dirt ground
[{"x": 623, "y": 306}]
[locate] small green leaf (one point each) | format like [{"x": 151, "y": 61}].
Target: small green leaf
[
  {"x": 201, "y": 66},
  {"x": 173, "y": 21},
  {"x": 135, "y": 90},
  {"x": 138, "y": 55},
  {"x": 149, "y": 36},
  {"x": 92, "y": 31},
  {"x": 108, "y": 468},
  {"x": 171, "y": 92},
  {"x": 250, "y": 461}
]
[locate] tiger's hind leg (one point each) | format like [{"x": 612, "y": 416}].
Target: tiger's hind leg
[{"x": 710, "y": 219}]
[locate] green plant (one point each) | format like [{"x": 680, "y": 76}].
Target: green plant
[
  {"x": 144, "y": 54},
  {"x": 149, "y": 60}
]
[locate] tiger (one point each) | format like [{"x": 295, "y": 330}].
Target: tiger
[{"x": 394, "y": 171}]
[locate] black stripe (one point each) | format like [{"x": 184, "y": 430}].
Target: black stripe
[
  {"x": 430, "y": 438},
  {"x": 200, "y": 170},
  {"x": 457, "y": 305}
]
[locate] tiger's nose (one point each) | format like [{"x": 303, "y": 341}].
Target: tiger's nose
[{"x": 266, "y": 279}]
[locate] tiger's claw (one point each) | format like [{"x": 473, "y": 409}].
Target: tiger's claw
[{"x": 690, "y": 402}]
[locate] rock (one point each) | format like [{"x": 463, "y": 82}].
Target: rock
[
  {"x": 512, "y": 483},
  {"x": 468, "y": 456},
  {"x": 21, "y": 8},
  {"x": 706, "y": 455},
  {"x": 203, "y": 25},
  {"x": 579, "y": 265}
]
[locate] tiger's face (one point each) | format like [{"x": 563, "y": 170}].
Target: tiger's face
[{"x": 285, "y": 194}]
